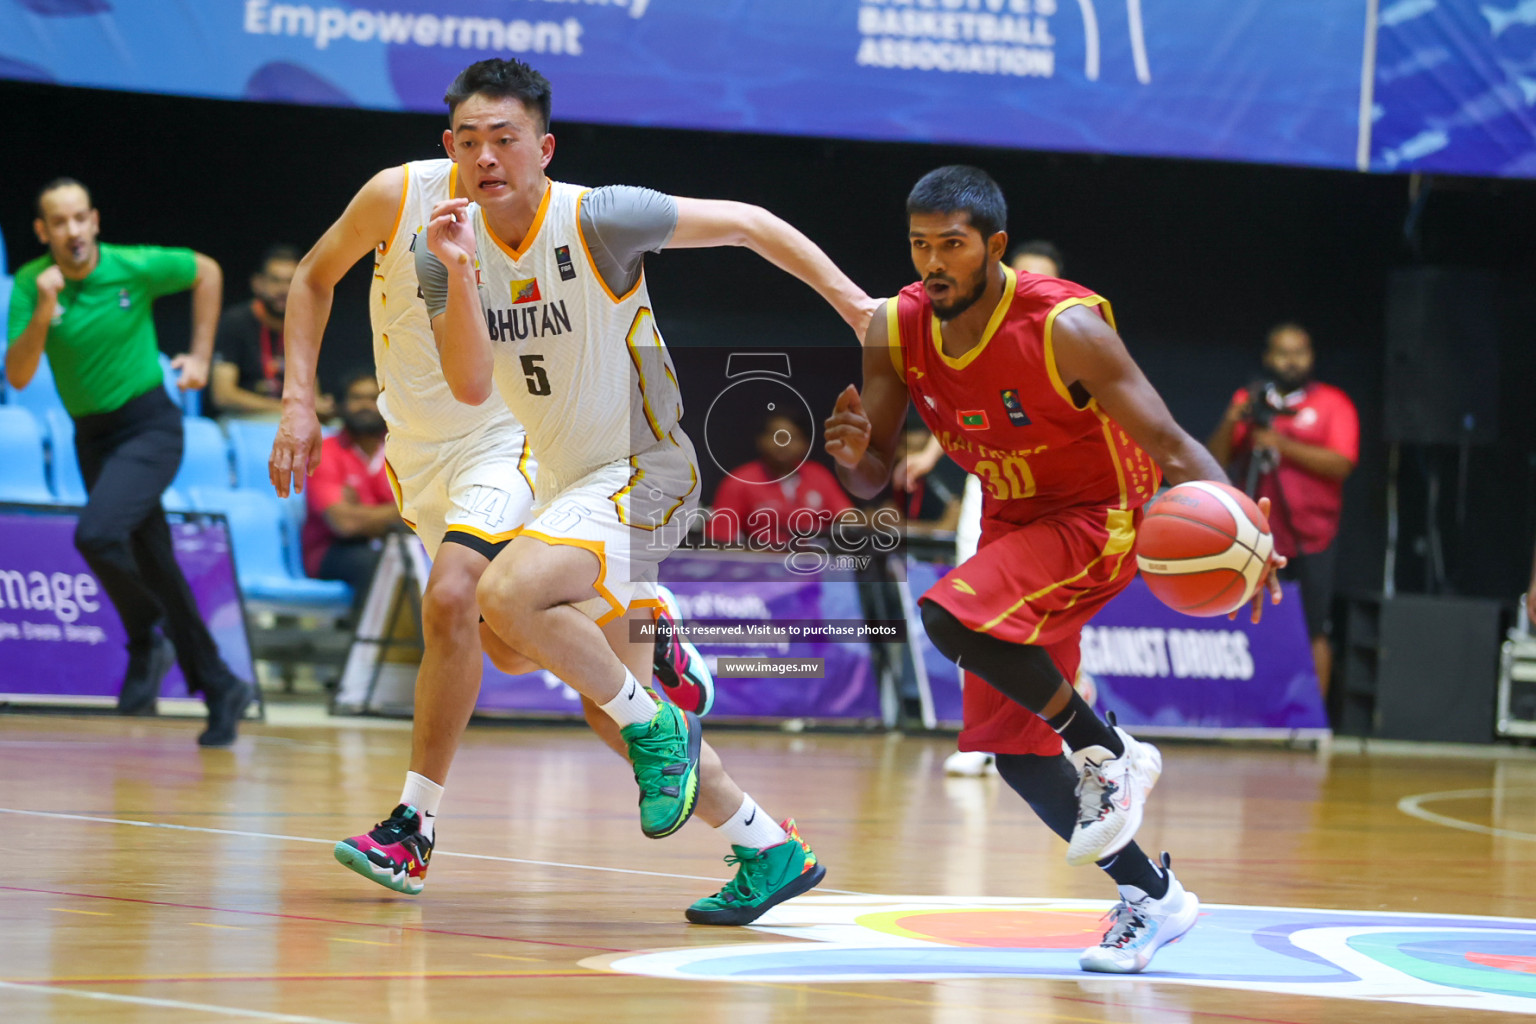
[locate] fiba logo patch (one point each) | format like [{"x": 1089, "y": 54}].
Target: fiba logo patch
[
  {"x": 1015, "y": 409},
  {"x": 563, "y": 261}
]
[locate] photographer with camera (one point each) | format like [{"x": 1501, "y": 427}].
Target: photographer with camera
[{"x": 1294, "y": 440}]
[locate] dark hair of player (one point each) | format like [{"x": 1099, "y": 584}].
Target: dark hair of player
[
  {"x": 502, "y": 79},
  {"x": 58, "y": 183},
  {"x": 958, "y": 188}
]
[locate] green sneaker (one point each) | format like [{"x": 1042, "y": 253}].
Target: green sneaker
[
  {"x": 664, "y": 753},
  {"x": 764, "y": 878}
]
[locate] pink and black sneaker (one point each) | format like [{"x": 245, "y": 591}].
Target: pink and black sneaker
[
  {"x": 679, "y": 667},
  {"x": 394, "y": 854}
]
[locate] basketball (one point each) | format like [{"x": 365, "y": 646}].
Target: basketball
[{"x": 1203, "y": 548}]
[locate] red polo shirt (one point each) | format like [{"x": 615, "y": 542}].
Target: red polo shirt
[
  {"x": 343, "y": 466},
  {"x": 749, "y": 489},
  {"x": 1325, "y": 417}
]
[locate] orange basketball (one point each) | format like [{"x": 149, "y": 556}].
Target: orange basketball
[{"x": 1203, "y": 548}]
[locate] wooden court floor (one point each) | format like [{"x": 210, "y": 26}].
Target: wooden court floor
[{"x": 148, "y": 880}]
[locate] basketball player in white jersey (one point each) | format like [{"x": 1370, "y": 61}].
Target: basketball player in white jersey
[
  {"x": 463, "y": 479},
  {"x": 538, "y": 293}
]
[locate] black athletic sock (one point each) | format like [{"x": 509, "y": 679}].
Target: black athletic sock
[
  {"x": 1132, "y": 866},
  {"x": 1047, "y": 784},
  {"x": 1080, "y": 727}
]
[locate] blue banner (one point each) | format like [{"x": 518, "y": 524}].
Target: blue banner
[
  {"x": 1455, "y": 87},
  {"x": 1229, "y": 79}
]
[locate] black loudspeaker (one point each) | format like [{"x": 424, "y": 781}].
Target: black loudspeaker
[
  {"x": 1438, "y": 669},
  {"x": 1442, "y": 374}
]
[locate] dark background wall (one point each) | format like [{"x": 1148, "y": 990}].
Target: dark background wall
[{"x": 1199, "y": 259}]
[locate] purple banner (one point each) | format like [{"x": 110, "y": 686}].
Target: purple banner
[
  {"x": 1156, "y": 667},
  {"x": 711, "y": 585},
  {"x": 59, "y": 634}
]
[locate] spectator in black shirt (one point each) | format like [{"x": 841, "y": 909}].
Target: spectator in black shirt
[{"x": 248, "y": 373}]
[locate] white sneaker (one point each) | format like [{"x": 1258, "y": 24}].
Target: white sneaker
[
  {"x": 1110, "y": 794},
  {"x": 970, "y": 763},
  {"x": 1140, "y": 925}
]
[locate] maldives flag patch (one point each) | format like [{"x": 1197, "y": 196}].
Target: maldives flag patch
[
  {"x": 525, "y": 291},
  {"x": 973, "y": 419}
]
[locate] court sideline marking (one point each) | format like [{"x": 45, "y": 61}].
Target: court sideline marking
[
  {"x": 1413, "y": 807},
  {"x": 332, "y": 842},
  {"x": 167, "y": 1004}
]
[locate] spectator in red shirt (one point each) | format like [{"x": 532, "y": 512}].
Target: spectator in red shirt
[
  {"x": 351, "y": 503},
  {"x": 780, "y": 491},
  {"x": 1300, "y": 438}
]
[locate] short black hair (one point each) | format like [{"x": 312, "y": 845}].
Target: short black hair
[
  {"x": 278, "y": 254},
  {"x": 354, "y": 375},
  {"x": 501, "y": 79},
  {"x": 959, "y": 188},
  {"x": 58, "y": 183},
  {"x": 1282, "y": 328},
  {"x": 1040, "y": 247}
]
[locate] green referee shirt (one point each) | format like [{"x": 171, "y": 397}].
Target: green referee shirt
[{"x": 102, "y": 345}]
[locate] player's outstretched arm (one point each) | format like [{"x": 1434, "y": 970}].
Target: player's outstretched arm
[
  {"x": 365, "y": 224},
  {"x": 1089, "y": 353},
  {"x": 864, "y": 431},
  {"x": 702, "y": 223},
  {"x": 445, "y": 268}
]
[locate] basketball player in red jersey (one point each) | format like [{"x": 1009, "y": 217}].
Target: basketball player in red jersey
[{"x": 1026, "y": 384}]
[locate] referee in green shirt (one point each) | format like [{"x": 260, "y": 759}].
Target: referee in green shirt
[{"x": 88, "y": 305}]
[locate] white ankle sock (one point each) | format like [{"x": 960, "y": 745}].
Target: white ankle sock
[
  {"x": 633, "y": 705},
  {"x": 423, "y": 794},
  {"x": 752, "y": 826}
]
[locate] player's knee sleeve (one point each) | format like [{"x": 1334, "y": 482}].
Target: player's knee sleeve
[
  {"x": 1023, "y": 673},
  {"x": 1047, "y": 784}
]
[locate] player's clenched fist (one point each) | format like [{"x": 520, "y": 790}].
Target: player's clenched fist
[
  {"x": 450, "y": 236},
  {"x": 847, "y": 429}
]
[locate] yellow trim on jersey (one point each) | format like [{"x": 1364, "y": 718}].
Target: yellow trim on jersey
[
  {"x": 522, "y": 464},
  {"x": 582, "y": 237},
  {"x": 489, "y": 538},
  {"x": 394, "y": 485},
  {"x": 1050, "y": 343},
  {"x": 636, "y": 477},
  {"x": 646, "y": 602},
  {"x": 1122, "y": 539},
  {"x": 893, "y": 337},
  {"x": 1114, "y": 454},
  {"x": 533, "y": 229},
  {"x": 405, "y": 190},
  {"x": 1010, "y": 284},
  {"x": 453, "y": 182},
  {"x": 634, "y": 355},
  {"x": 596, "y": 547}
]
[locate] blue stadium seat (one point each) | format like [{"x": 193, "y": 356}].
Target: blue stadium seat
[
  {"x": 250, "y": 441},
  {"x": 295, "y": 511},
  {"x": 23, "y": 474},
  {"x": 205, "y": 459},
  {"x": 64, "y": 464},
  {"x": 257, "y": 524},
  {"x": 175, "y": 500},
  {"x": 39, "y": 395}
]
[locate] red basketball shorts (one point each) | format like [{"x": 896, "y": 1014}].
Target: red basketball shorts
[{"x": 1035, "y": 584}]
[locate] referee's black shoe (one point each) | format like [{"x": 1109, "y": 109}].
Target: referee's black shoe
[
  {"x": 227, "y": 699},
  {"x": 146, "y": 671}
]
